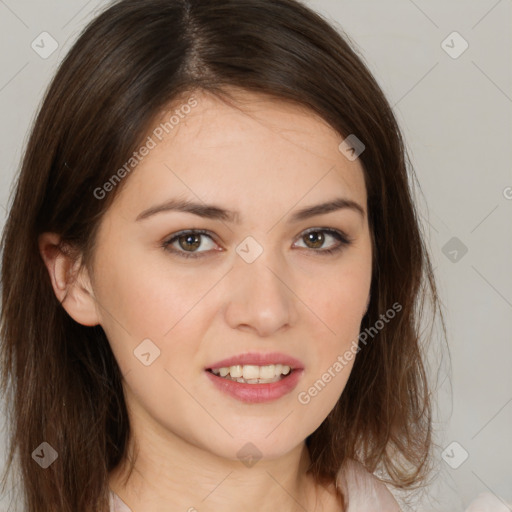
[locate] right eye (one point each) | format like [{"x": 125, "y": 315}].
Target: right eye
[{"x": 187, "y": 242}]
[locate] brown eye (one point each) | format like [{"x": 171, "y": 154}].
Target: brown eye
[
  {"x": 315, "y": 239},
  {"x": 189, "y": 241},
  {"x": 186, "y": 243}
]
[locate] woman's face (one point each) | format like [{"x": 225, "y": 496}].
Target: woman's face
[{"x": 255, "y": 283}]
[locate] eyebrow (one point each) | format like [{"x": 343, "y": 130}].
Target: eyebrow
[{"x": 210, "y": 211}]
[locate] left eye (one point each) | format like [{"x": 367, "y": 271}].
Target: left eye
[
  {"x": 189, "y": 241},
  {"x": 317, "y": 238}
]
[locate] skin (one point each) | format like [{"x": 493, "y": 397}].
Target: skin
[{"x": 266, "y": 159}]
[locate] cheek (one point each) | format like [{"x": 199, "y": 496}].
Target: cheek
[
  {"x": 141, "y": 301},
  {"x": 150, "y": 298},
  {"x": 335, "y": 348},
  {"x": 341, "y": 308},
  {"x": 342, "y": 302}
]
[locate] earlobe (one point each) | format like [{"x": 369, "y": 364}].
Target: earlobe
[{"x": 71, "y": 284}]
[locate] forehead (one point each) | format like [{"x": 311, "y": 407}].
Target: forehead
[{"x": 259, "y": 148}]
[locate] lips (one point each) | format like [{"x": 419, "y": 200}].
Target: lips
[
  {"x": 256, "y": 393},
  {"x": 258, "y": 359},
  {"x": 261, "y": 392}
]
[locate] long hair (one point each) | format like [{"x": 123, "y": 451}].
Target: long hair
[{"x": 134, "y": 60}]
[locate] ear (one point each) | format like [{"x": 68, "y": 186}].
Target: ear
[{"x": 71, "y": 285}]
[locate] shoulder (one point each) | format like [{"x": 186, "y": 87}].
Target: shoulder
[{"x": 364, "y": 491}]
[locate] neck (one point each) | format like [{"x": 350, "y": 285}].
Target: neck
[{"x": 172, "y": 474}]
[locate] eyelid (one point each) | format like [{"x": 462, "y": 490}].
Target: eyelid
[{"x": 331, "y": 231}]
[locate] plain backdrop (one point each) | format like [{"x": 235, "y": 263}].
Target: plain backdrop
[{"x": 445, "y": 67}]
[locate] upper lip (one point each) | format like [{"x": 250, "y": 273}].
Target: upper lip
[{"x": 258, "y": 359}]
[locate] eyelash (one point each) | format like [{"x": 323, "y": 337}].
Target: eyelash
[{"x": 343, "y": 239}]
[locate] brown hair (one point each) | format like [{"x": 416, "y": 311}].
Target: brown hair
[{"x": 129, "y": 64}]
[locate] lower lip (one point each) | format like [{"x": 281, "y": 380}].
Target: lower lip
[{"x": 257, "y": 393}]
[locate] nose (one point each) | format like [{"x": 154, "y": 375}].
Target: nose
[{"x": 260, "y": 297}]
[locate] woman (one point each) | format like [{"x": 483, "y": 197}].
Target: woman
[{"x": 212, "y": 267}]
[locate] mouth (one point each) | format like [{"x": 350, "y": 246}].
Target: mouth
[{"x": 256, "y": 378}]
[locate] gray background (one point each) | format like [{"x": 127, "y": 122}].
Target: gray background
[{"x": 455, "y": 114}]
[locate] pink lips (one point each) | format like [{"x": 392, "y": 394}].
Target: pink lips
[
  {"x": 258, "y": 359},
  {"x": 257, "y": 393}
]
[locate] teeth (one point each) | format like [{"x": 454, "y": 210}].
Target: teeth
[
  {"x": 253, "y": 374},
  {"x": 267, "y": 372},
  {"x": 236, "y": 371}
]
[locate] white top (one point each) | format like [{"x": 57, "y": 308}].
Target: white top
[
  {"x": 365, "y": 493},
  {"x": 116, "y": 504}
]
